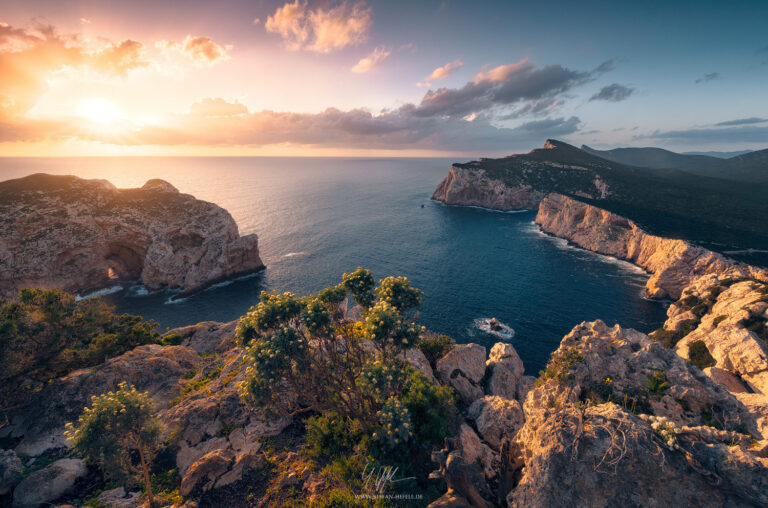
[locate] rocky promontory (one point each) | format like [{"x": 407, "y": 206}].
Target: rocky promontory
[
  {"x": 673, "y": 264},
  {"x": 82, "y": 235}
]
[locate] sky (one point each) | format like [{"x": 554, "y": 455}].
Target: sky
[{"x": 379, "y": 78}]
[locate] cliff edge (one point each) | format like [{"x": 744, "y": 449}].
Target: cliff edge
[
  {"x": 81, "y": 235},
  {"x": 673, "y": 264}
]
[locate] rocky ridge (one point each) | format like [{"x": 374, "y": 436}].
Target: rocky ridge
[
  {"x": 81, "y": 235},
  {"x": 673, "y": 264}
]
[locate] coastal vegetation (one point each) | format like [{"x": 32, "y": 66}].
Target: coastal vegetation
[
  {"x": 117, "y": 426},
  {"x": 46, "y": 333},
  {"x": 368, "y": 405}
]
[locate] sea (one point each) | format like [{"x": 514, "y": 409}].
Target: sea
[{"x": 320, "y": 217}]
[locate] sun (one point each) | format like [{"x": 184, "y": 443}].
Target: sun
[{"x": 98, "y": 110}]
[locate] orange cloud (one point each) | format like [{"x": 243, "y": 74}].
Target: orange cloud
[
  {"x": 444, "y": 71},
  {"x": 503, "y": 72},
  {"x": 200, "y": 49},
  {"x": 217, "y": 107},
  {"x": 373, "y": 60},
  {"x": 29, "y": 55},
  {"x": 320, "y": 30}
]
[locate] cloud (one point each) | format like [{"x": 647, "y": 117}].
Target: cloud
[
  {"x": 256, "y": 21},
  {"x": 708, "y": 77},
  {"x": 742, "y": 121},
  {"x": 120, "y": 58},
  {"x": 444, "y": 71},
  {"x": 217, "y": 107},
  {"x": 613, "y": 93},
  {"x": 743, "y": 134},
  {"x": 203, "y": 49},
  {"x": 520, "y": 84},
  {"x": 395, "y": 129},
  {"x": 320, "y": 30},
  {"x": 28, "y": 56},
  {"x": 373, "y": 60}
]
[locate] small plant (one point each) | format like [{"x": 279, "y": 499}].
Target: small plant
[
  {"x": 435, "y": 347},
  {"x": 559, "y": 366},
  {"x": 115, "y": 426},
  {"x": 699, "y": 355},
  {"x": 665, "y": 429},
  {"x": 657, "y": 383}
]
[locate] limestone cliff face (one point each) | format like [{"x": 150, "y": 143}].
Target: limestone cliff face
[
  {"x": 473, "y": 187},
  {"x": 79, "y": 235},
  {"x": 673, "y": 264}
]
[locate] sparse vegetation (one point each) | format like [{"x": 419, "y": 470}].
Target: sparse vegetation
[
  {"x": 657, "y": 383},
  {"x": 699, "y": 355},
  {"x": 116, "y": 426},
  {"x": 559, "y": 366},
  {"x": 435, "y": 347},
  {"x": 46, "y": 333}
]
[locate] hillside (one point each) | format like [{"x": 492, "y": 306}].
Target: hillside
[
  {"x": 745, "y": 167},
  {"x": 722, "y": 214}
]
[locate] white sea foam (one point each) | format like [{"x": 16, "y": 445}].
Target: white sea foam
[
  {"x": 480, "y": 208},
  {"x": 294, "y": 254},
  {"x": 230, "y": 281},
  {"x": 504, "y": 331},
  {"x": 100, "y": 292},
  {"x": 563, "y": 244}
]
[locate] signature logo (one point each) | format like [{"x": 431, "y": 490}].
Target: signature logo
[{"x": 377, "y": 478}]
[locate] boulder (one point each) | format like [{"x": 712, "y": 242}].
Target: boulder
[
  {"x": 208, "y": 336},
  {"x": 463, "y": 367},
  {"x": 496, "y": 418},
  {"x": 48, "y": 484},
  {"x": 506, "y": 370},
  {"x": 204, "y": 472},
  {"x": 119, "y": 498},
  {"x": 417, "y": 359}
]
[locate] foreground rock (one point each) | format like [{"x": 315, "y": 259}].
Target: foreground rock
[
  {"x": 39, "y": 424},
  {"x": 463, "y": 368},
  {"x": 47, "y": 485},
  {"x": 616, "y": 419},
  {"x": 81, "y": 235}
]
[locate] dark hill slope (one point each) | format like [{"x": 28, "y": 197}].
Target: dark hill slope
[
  {"x": 749, "y": 167},
  {"x": 722, "y": 214}
]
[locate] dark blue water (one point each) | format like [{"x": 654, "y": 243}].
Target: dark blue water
[{"x": 319, "y": 217}]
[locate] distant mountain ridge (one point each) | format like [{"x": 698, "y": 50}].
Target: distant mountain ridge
[{"x": 745, "y": 167}]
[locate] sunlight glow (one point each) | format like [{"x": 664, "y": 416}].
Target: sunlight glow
[{"x": 98, "y": 110}]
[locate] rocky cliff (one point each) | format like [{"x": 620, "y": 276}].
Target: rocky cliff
[
  {"x": 80, "y": 235},
  {"x": 473, "y": 187},
  {"x": 673, "y": 264}
]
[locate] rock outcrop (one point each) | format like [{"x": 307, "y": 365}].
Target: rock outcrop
[
  {"x": 81, "y": 235},
  {"x": 673, "y": 264},
  {"x": 39, "y": 424},
  {"x": 463, "y": 368},
  {"x": 473, "y": 187},
  {"x": 49, "y": 484}
]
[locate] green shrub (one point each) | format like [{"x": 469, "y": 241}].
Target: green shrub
[
  {"x": 46, "y": 333},
  {"x": 657, "y": 383},
  {"x": 435, "y": 347},
  {"x": 699, "y": 355},
  {"x": 116, "y": 426},
  {"x": 331, "y": 435},
  {"x": 559, "y": 366}
]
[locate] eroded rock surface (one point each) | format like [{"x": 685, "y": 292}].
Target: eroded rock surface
[
  {"x": 50, "y": 483},
  {"x": 80, "y": 235},
  {"x": 463, "y": 368},
  {"x": 472, "y": 187}
]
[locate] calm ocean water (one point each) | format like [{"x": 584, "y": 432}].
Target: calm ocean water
[{"x": 319, "y": 217}]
